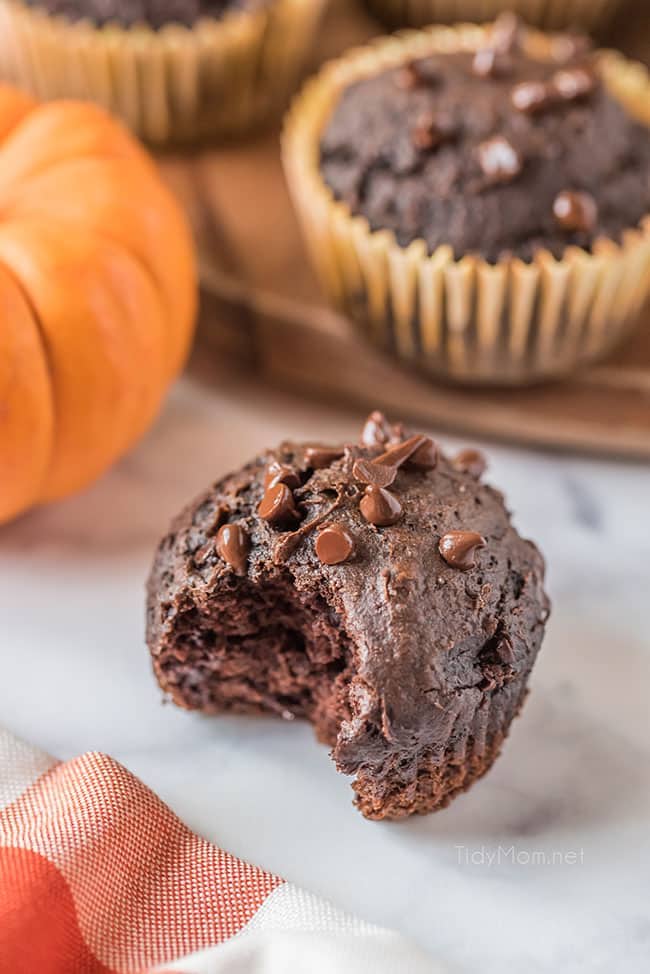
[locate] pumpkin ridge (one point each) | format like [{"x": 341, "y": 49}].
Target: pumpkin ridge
[
  {"x": 119, "y": 379},
  {"x": 44, "y": 344},
  {"x": 105, "y": 125},
  {"x": 15, "y": 106},
  {"x": 174, "y": 364},
  {"x": 178, "y": 334}
]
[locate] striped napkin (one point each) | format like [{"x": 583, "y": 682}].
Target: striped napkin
[{"x": 98, "y": 876}]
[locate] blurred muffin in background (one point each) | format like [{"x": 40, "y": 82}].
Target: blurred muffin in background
[
  {"x": 478, "y": 200},
  {"x": 590, "y": 15},
  {"x": 173, "y": 70}
]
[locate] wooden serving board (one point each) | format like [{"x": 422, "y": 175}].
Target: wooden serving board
[{"x": 262, "y": 307}]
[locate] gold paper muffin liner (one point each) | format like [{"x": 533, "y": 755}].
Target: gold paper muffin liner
[
  {"x": 513, "y": 322},
  {"x": 177, "y": 84},
  {"x": 591, "y": 15}
]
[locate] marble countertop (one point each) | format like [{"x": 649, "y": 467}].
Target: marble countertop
[{"x": 543, "y": 867}]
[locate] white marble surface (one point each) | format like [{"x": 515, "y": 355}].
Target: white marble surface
[{"x": 574, "y": 779}]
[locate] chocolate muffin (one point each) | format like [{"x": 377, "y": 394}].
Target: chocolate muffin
[
  {"x": 491, "y": 152},
  {"x": 477, "y": 199},
  {"x": 175, "y": 71},
  {"x": 377, "y": 589}
]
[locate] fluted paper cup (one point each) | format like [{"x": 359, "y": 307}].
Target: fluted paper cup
[
  {"x": 591, "y": 15},
  {"x": 512, "y": 322},
  {"x": 217, "y": 78}
]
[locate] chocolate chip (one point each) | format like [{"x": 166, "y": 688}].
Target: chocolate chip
[
  {"x": 506, "y": 33},
  {"x": 470, "y": 461},
  {"x": 484, "y": 62},
  {"x": 531, "y": 97},
  {"x": 575, "y": 212},
  {"x": 319, "y": 457},
  {"x": 499, "y": 159},
  {"x": 277, "y": 505},
  {"x": 289, "y": 541},
  {"x": 428, "y": 71},
  {"x": 425, "y": 457},
  {"x": 380, "y": 507},
  {"x": 376, "y": 430},
  {"x": 233, "y": 545},
  {"x": 568, "y": 47},
  {"x": 281, "y": 473},
  {"x": 458, "y": 548},
  {"x": 371, "y": 472},
  {"x": 425, "y": 135},
  {"x": 573, "y": 83},
  {"x": 432, "y": 130},
  {"x": 398, "y": 454},
  {"x": 407, "y": 78},
  {"x": 334, "y": 545},
  {"x": 490, "y": 63}
]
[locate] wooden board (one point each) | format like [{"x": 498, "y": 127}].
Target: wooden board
[{"x": 262, "y": 307}]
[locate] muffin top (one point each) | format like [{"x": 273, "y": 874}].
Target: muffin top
[
  {"x": 494, "y": 152},
  {"x": 155, "y": 13}
]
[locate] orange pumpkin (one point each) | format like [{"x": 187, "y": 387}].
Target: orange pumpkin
[{"x": 97, "y": 296}]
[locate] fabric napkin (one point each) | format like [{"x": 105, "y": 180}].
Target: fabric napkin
[{"x": 98, "y": 876}]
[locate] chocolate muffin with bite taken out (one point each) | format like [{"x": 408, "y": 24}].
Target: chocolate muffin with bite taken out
[{"x": 377, "y": 589}]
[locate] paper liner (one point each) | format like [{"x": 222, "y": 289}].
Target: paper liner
[
  {"x": 177, "y": 84},
  {"x": 550, "y": 14},
  {"x": 512, "y": 322}
]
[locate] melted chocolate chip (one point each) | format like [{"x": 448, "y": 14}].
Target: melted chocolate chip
[
  {"x": 470, "y": 461},
  {"x": 573, "y": 83},
  {"x": 458, "y": 548},
  {"x": 575, "y": 212},
  {"x": 281, "y": 473},
  {"x": 432, "y": 130},
  {"x": 499, "y": 159},
  {"x": 377, "y": 431},
  {"x": 288, "y": 542},
  {"x": 380, "y": 507},
  {"x": 277, "y": 505},
  {"x": 426, "y": 135},
  {"x": 484, "y": 63},
  {"x": 506, "y": 33},
  {"x": 371, "y": 472},
  {"x": 319, "y": 457},
  {"x": 398, "y": 454},
  {"x": 424, "y": 71},
  {"x": 568, "y": 47},
  {"x": 407, "y": 78},
  {"x": 428, "y": 71},
  {"x": 334, "y": 545},
  {"x": 377, "y": 505},
  {"x": 490, "y": 63},
  {"x": 233, "y": 545},
  {"x": 531, "y": 96},
  {"x": 425, "y": 457}
]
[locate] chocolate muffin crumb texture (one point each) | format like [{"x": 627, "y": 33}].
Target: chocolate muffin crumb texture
[{"x": 376, "y": 588}]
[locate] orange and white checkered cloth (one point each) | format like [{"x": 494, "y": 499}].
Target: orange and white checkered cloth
[{"x": 98, "y": 876}]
